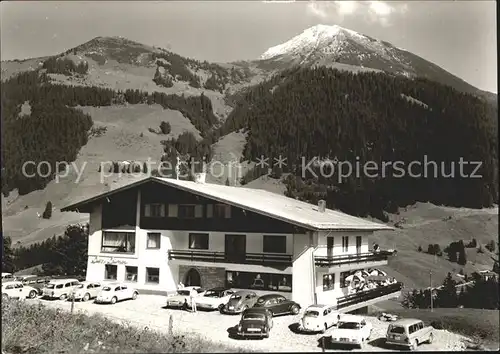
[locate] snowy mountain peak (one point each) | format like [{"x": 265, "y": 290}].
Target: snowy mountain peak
[{"x": 312, "y": 38}]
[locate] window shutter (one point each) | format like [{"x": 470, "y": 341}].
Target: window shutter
[
  {"x": 172, "y": 210},
  {"x": 210, "y": 210},
  {"x": 147, "y": 210},
  {"x": 198, "y": 211}
]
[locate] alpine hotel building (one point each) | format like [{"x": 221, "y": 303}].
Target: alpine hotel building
[{"x": 157, "y": 232}]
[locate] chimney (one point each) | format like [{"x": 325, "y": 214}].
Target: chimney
[
  {"x": 200, "y": 177},
  {"x": 321, "y": 206}
]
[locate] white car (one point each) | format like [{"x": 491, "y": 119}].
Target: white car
[
  {"x": 86, "y": 290},
  {"x": 351, "y": 330},
  {"x": 16, "y": 289},
  {"x": 7, "y": 276},
  {"x": 59, "y": 288},
  {"x": 113, "y": 292},
  {"x": 214, "y": 299},
  {"x": 181, "y": 298},
  {"x": 318, "y": 318}
]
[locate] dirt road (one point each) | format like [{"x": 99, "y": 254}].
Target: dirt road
[{"x": 148, "y": 311}]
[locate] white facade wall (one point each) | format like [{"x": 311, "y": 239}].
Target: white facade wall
[
  {"x": 307, "y": 279},
  {"x": 337, "y": 242}
]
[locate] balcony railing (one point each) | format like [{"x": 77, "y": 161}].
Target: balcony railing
[
  {"x": 328, "y": 261},
  {"x": 222, "y": 257},
  {"x": 366, "y": 295}
]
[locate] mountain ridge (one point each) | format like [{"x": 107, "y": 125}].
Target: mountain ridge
[{"x": 324, "y": 45}]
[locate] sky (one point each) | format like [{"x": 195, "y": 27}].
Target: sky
[{"x": 459, "y": 36}]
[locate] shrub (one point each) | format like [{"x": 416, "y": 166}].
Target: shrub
[
  {"x": 419, "y": 248},
  {"x": 434, "y": 249},
  {"x": 165, "y": 127},
  {"x": 47, "y": 214}
]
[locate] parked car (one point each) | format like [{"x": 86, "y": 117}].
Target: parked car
[
  {"x": 351, "y": 330},
  {"x": 16, "y": 289},
  {"x": 181, "y": 298},
  {"x": 59, "y": 288},
  {"x": 318, "y": 318},
  {"x": 214, "y": 299},
  {"x": 278, "y": 304},
  {"x": 86, "y": 290},
  {"x": 7, "y": 276},
  {"x": 240, "y": 301},
  {"x": 409, "y": 332},
  {"x": 113, "y": 292},
  {"x": 255, "y": 322},
  {"x": 37, "y": 282}
]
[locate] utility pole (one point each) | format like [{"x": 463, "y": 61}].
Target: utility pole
[{"x": 430, "y": 284}]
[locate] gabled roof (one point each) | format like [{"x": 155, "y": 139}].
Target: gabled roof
[{"x": 259, "y": 201}]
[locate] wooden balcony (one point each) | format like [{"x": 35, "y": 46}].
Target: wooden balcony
[
  {"x": 328, "y": 261},
  {"x": 367, "y": 295},
  {"x": 264, "y": 259}
]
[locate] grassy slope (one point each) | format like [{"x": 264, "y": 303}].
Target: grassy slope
[
  {"x": 122, "y": 141},
  {"x": 11, "y": 68},
  {"x": 475, "y": 323},
  {"x": 427, "y": 223},
  {"x": 28, "y": 328}
]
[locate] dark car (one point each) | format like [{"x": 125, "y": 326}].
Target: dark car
[
  {"x": 37, "y": 282},
  {"x": 278, "y": 304},
  {"x": 240, "y": 301},
  {"x": 255, "y": 322}
]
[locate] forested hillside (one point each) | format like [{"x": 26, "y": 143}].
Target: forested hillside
[
  {"x": 54, "y": 131},
  {"x": 372, "y": 117}
]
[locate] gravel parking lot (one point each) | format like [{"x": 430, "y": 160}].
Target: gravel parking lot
[{"x": 148, "y": 310}]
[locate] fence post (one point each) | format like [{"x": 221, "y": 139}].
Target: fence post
[
  {"x": 72, "y": 302},
  {"x": 323, "y": 344},
  {"x": 170, "y": 324}
]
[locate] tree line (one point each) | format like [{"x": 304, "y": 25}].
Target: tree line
[
  {"x": 65, "y": 66},
  {"x": 66, "y": 254},
  {"x": 326, "y": 113},
  {"x": 483, "y": 294}
]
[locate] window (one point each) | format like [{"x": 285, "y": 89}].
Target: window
[
  {"x": 172, "y": 210},
  {"x": 110, "y": 271},
  {"x": 118, "y": 242},
  {"x": 259, "y": 281},
  {"x": 198, "y": 211},
  {"x": 130, "y": 273},
  {"x": 343, "y": 276},
  {"x": 153, "y": 240},
  {"x": 328, "y": 282},
  {"x": 153, "y": 275},
  {"x": 222, "y": 211},
  {"x": 198, "y": 241},
  {"x": 155, "y": 210},
  {"x": 186, "y": 211},
  {"x": 274, "y": 244},
  {"x": 345, "y": 243},
  {"x": 210, "y": 211}
]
